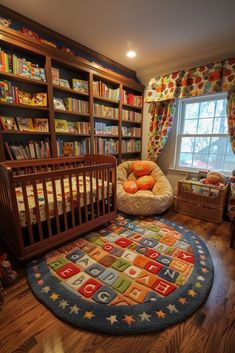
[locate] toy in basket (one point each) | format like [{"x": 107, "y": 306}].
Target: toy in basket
[{"x": 203, "y": 198}]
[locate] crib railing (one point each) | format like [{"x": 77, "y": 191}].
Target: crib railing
[{"x": 87, "y": 199}]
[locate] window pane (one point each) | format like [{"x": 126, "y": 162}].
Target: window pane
[
  {"x": 220, "y": 126},
  {"x": 185, "y": 160},
  {"x": 207, "y": 109},
  {"x": 202, "y": 145},
  {"x": 190, "y": 126},
  {"x": 215, "y": 161},
  {"x": 187, "y": 144},
  {"x": 191, "y": 110},
  {"x": 205, "y": 126},
  {"x": 221, "y": 107},
  {"x": 218, "y": 145},
  {"x": 229, "y": 150},
  {"x": 229, "y": 163},
  {"x": 200, "y": 161}
]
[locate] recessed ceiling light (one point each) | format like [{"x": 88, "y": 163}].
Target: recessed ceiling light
[{"x": 131, "y": 54}]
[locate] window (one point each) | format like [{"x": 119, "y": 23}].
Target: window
[{"x": 202, "y": 136}]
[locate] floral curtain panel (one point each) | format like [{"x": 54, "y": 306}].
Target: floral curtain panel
[{"x": 205, "y": 79}]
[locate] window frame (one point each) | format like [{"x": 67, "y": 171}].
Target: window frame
[{"x": 180, "y": 115}]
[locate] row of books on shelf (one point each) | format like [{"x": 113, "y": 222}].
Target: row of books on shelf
[
  {"x": 131, "y": 131},
  {"x": 105, "y": 111},
  {"x": 9, "y": 123},
  {"x": 75, "y": 127},
  {"x": 101, "y": 89},
  {"x": 131, "y": 146},
  {"x": 130, "y": 98},
  {"x": 11, "y": 64},
  {"x": 104, "y": 129},
  {"x": 11, "y": 94},
  {"x": 105, "y": 146},
  {"x": 29, "y": 150},
  {"x": 128, "y": 115},
  {"x": 71, "y": 105},
  {"x": 72, "y": 148},
  {"x": 78, "y": 85}
]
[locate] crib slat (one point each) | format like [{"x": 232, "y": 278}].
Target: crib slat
[
  {"x": 97, "y": 192},
  {"x": 71, "y": 200},
  {"x": 85, "y": 196},
  {"x": 63, "y": 203},
  {"x": 102, "y": 177},
  {"x": 27, "y": 212},
  {"x": 46, "y": 207},
  {"x": 108, "y": 196},
  {"x": 78, "y": 200},
  {"x": 55, "y": 205},
  {"x": 39, "y": 224},
  {"x": 91, "y": 196}
]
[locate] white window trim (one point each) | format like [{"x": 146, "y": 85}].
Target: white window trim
[{"x": 179, "y": 126}]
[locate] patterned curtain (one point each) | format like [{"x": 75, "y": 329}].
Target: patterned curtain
[
  {"x": 231, "y": 118},
  {"x": 205, "y": 79},
  {"x": 162, "y": 118}
]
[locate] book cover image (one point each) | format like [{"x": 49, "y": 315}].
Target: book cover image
[
  {"x": 8, "y": 123},
  {"x": 72, "y": 127},
  {"x": 41, "y": 125},
  {"x": 68, "y": 149},
  {"x": 61, "y": 125},
  {"x": 25, "y": 124},
  {"x": 40, "y": 99},
  {"x": 25, "y": 98},
  {"x": 59, "y": 103},
  {"x": 80, "y": 85},
  {"x": 64, "y": 83},
  {"x": 55, "y": 76}
]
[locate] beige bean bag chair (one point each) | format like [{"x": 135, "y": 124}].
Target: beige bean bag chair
[{"x": 143, "y": 202}]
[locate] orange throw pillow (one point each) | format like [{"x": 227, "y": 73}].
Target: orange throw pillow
[
  {"x": 130, "y": 187},
  {"x": 145, "y": 182},
  {"x": 141, "y": 168}
]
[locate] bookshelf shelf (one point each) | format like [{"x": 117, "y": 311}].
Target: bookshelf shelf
[
  {"x": 78, "y": 73},
  {"x": 131, "y": 106},
  {"x": 6, "y": 75},
  {"x": 70, "y": 90},
  {"x": 23, "y": 106},
  {"x": 12, "y": 132},
  {"x": 70, "y": 113},
  {"x": 105, "y": 100}
]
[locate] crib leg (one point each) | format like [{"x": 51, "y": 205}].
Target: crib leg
[{"x": 106, "y": 224}]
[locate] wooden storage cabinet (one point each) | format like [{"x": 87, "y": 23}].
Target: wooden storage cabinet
[
  {"x": 208, "y": 203},
  {"x": 126, "y": 134}
]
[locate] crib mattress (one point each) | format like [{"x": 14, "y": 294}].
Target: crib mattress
[{"x": 59, "y": 199}]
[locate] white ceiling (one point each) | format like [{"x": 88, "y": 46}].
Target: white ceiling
[{"x": 167, "y": 35}]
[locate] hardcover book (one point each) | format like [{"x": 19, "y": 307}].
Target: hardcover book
[
  {"x": 55, "y": 76},
  {"x": 68, "y": 149},
  {"x": 64, "y": 83},
  {"x": 39, "y": 99},
  {"x": 25, "y": 98},
  {"x": 72, "y": 127},
  {"x": 8, "y": 123},
  {"x": 80, "y": 85},
  {"x": 41, "y": 125},
  {"x": 59, "y": 103},
  {"x": 25, "y": 124},
  {"x": 61, "y": 125}
]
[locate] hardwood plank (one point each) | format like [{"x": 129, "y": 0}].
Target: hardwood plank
[{"x": 27, "y": 326}]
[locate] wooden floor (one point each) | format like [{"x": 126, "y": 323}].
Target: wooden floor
[{"x": 27, "y": 326}]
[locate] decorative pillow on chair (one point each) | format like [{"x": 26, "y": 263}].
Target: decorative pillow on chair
[
  {"x": 145, "y": 182},
  {"x": 130, "y": 187},
  {"x": 141, "y": 168}
]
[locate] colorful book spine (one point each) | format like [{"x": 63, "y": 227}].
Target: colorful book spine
[
  {"x": 131, "y": 145},
  {"x": 128, "y": 115},
  {"x": 131, "y": 99}
]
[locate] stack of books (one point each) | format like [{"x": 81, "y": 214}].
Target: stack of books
[
  {"x": 105, "y": 111},
  {"x": 131, "y": 145},
  {"x": 11, "y": 94},
  {"x": 104, "y": 129},
  {"x": 11, "y": 64},
  {"x": 75, "y": 127},
  {"x": 24, "y": 124},
  {"x": 130, "y": 98},
  {"x": 131, "y": 131},
  {"x": 100, "y": 89},
  {"x": 105, "y": 146},
  {"x": 72, "y": 148},
  {"x": 29, "y": 150},
  {"x": 128, "y": 115},
  {"x": 71, "y": 105}
]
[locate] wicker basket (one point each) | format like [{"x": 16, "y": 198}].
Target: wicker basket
[{"x": 201, "y": 201}]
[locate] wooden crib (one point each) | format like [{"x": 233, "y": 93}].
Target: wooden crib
[{"x": 44, "y": 203}]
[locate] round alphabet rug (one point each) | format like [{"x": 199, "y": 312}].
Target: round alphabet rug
[{"x": 137, "y": 275}]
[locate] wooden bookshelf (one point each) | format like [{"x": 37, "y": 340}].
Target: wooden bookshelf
[{"x": 69, "y": 67}]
